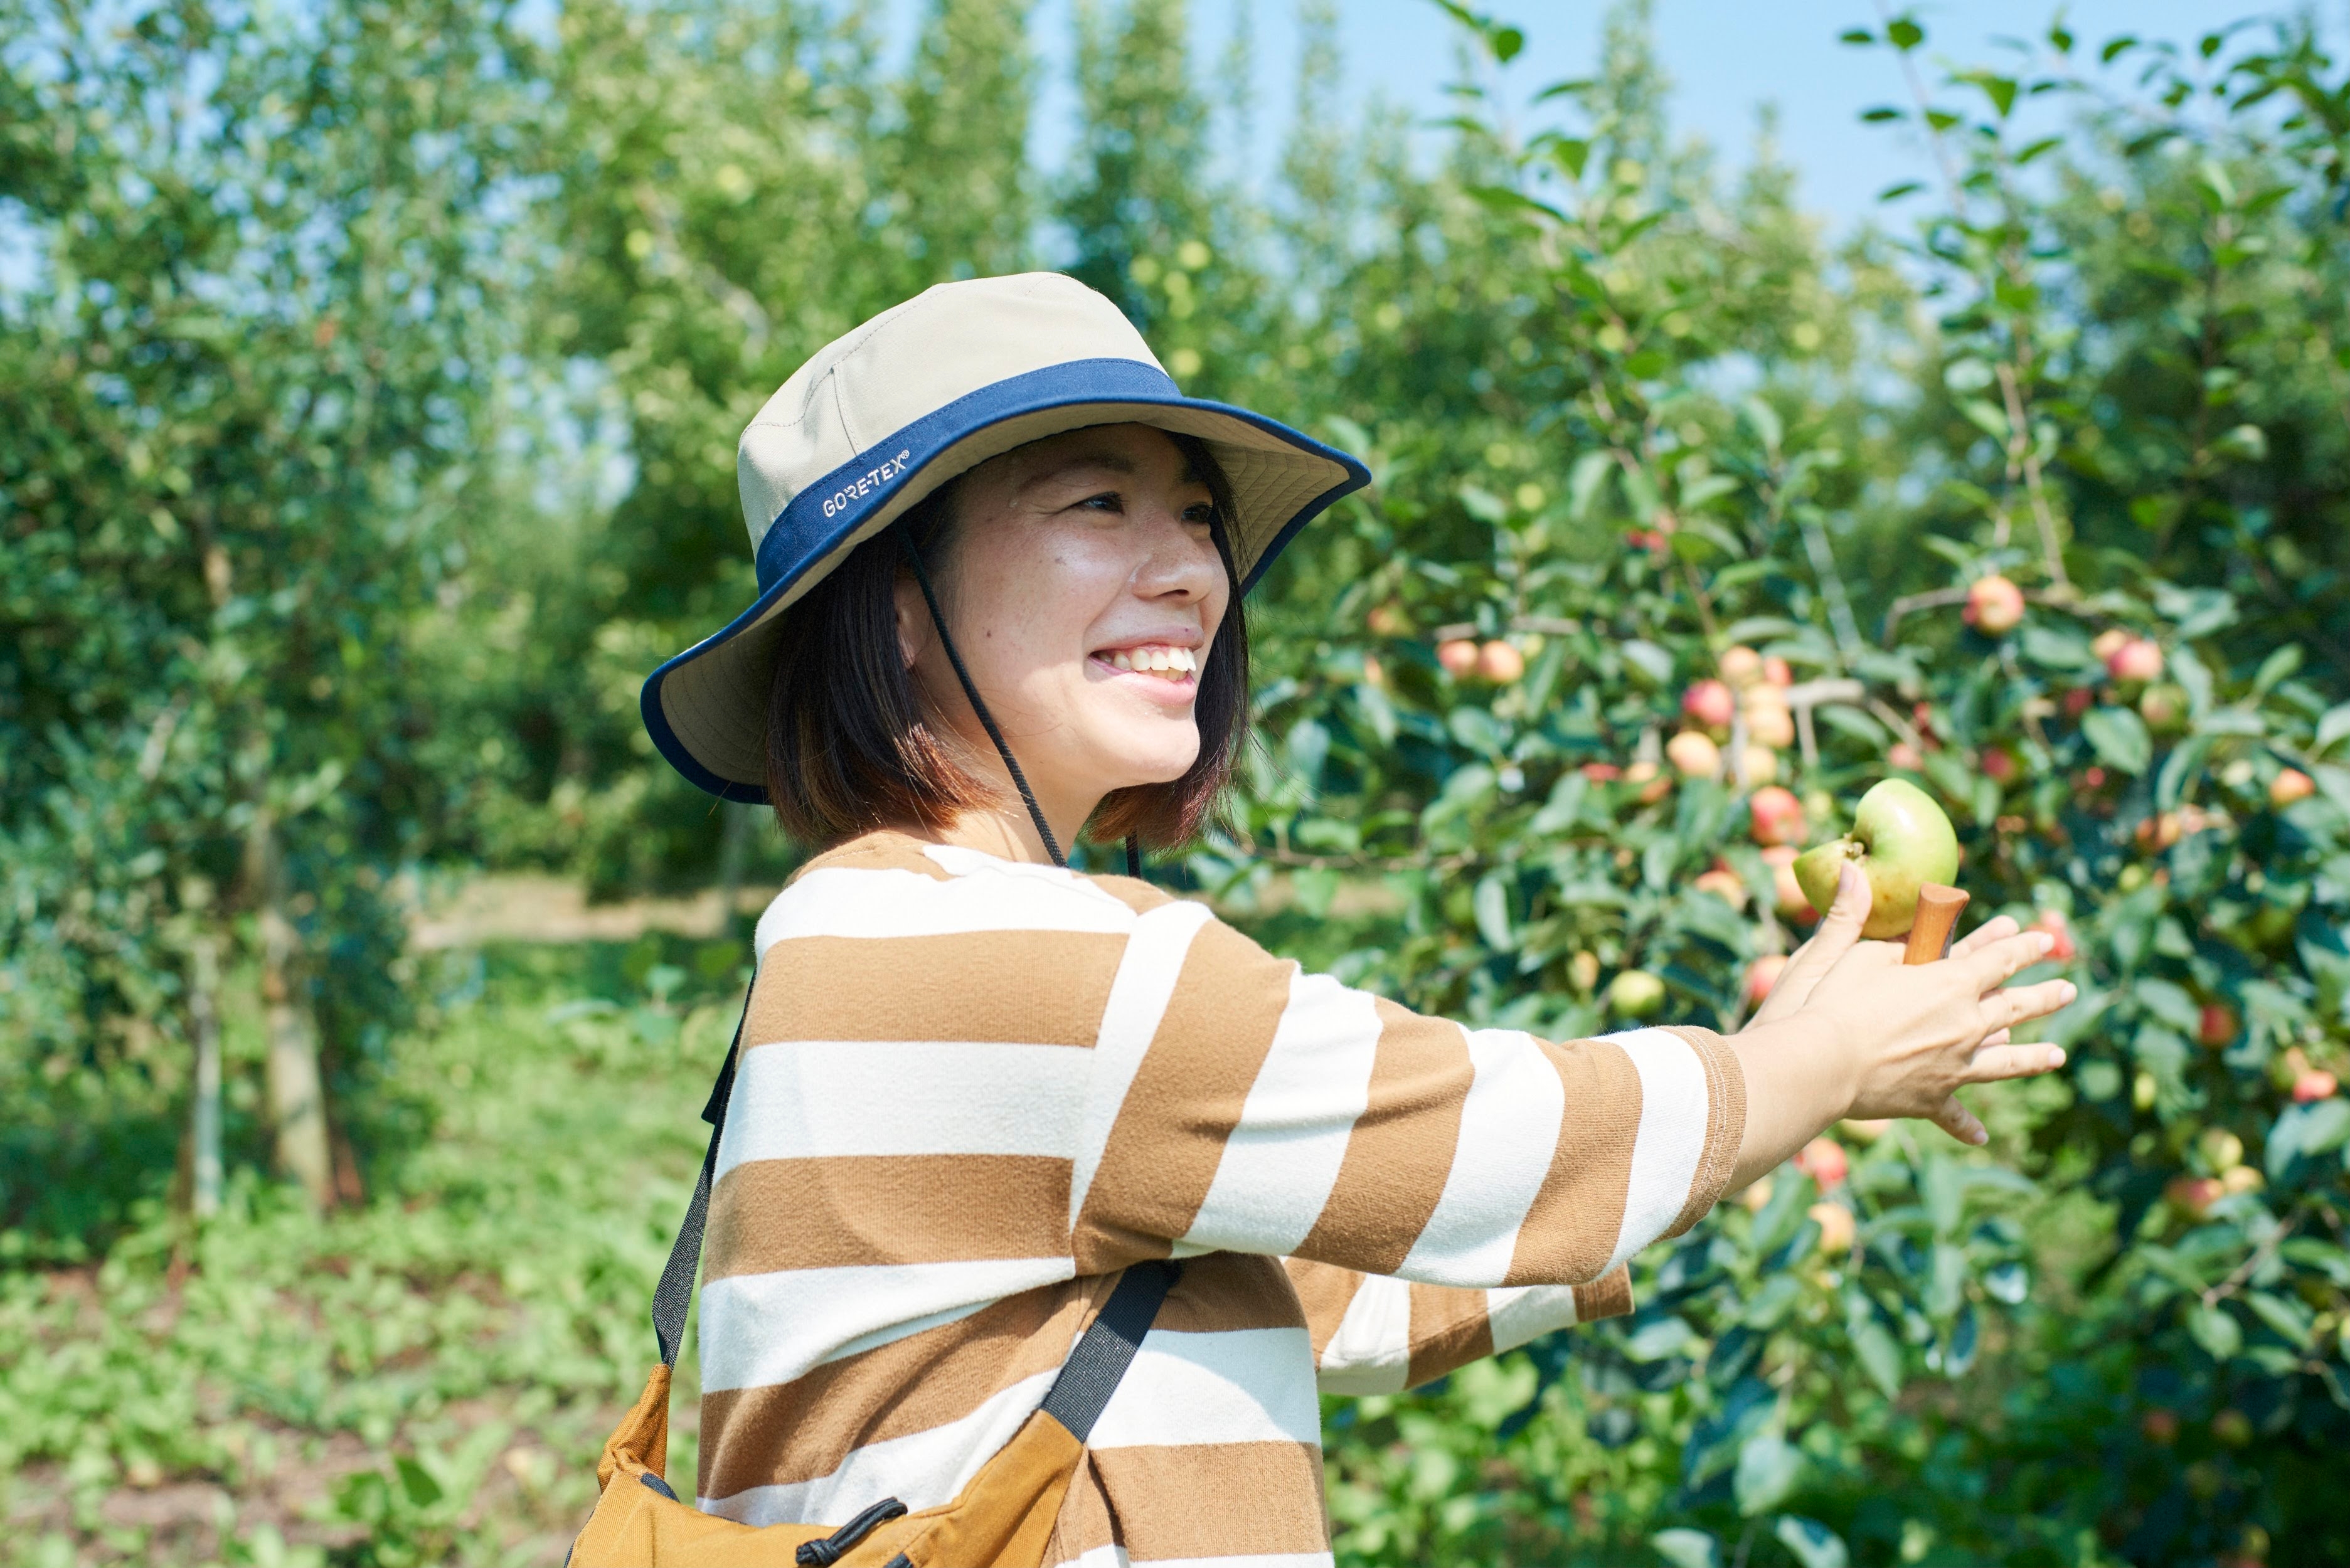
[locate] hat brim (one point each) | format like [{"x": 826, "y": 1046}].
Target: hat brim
[{"x": 706, "y": 709}]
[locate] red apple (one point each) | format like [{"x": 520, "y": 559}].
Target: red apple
[
  {"x": 2314, "y": 1084},
  {"x": 1709, "y": 703},
  {"x": 1787, "y": 899},
  {"x": 1761, "y": 975},
  {"x": 1723, "y": 884},
  {"x": 1824, "y": 1160},
  {"x": 1778, "y": 815},
  {"x": 1654, "y": 785},
  {"x": 1778, "y": 671},
  {"x": 2138, "y": 658},
  {"x": 1500, "y": 663},
  {"x": 2217, "y": 1026},
  {"x": 1837, "y": 1227},
  {"x": 2290, "y": 784},
  {"x": 1994, "y": 606},
  {"x": 2108, "y": 642},
  {"x": 2052, "y": 921},
  {"x": 1458, "y": 655},
  {"x": 1998, "y": 765},
  {"x": 2162, "y": 707},
  {"x": 1903, "y": 755},
  {"x": 2077, "y": 700},
  {"x": 2192, "y": 1195},
  {"x": 1762, "y": 764},
  {"x": 1693, "y": 756},
  {"x": 1601, "y": 773},
  {"x": 1388, "y": 620},
  {"x": 1741, "y": 666},
  {"x": 1901, "y": 841},
  {"x": 1770, "y": 725},
  {"x": 2160, "y": 1425}
]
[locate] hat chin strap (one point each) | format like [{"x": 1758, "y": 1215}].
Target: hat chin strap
[{"x": 1019, "y": 780}]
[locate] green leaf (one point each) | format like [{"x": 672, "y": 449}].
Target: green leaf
[
  {"x": 1768, "y": 1468},
  {"x": 1880, "y": 1357},
  {"x": 1584, "y": 480},
  {"x": 2119, "y": 737},
  {"x": 1856, "y": 37},
  {"x": 2307, "y": 1129},
  {"x": 415, "y": 1481},
  {"x": 1813, "y": 1543},
  {"x": 2216, "y": 1331},
  {"x": 1492, "y": 903},
  {"x": 2330, "y": 727},
  {"x": 1686, "y": 1548},
  {"x": 1905, "y": 34}
]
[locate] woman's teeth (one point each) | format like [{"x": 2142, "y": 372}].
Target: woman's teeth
[{"x": 1153, "y": 660}]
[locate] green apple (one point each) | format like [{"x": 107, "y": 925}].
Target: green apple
[
  {"x": 1901, "y": 841},
  {"x": 1636, "y": 993}
]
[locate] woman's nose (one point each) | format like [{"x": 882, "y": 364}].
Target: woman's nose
[{"x": 1181, "y": 561}]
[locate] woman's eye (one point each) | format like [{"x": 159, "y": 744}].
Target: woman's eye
[
  {"x": 1108, "y": 500},
  {"x": 1200, "y": 517}
]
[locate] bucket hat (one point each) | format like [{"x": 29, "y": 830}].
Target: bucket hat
[{"x": 886, "y": 414}]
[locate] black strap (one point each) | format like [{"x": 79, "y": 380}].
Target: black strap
[
  {"x": 1086, "y": 1381},
  {"x": 1019, "y": 779},
  {"x": 1092, "y": 1372},
  {"x": 674, "y": 1295}
]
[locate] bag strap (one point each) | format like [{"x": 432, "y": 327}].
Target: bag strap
[
  {"x": 1091, "y": 1373},
  {"x": 674, "y": 1295},
  {"x": 1087, "y": 1378}
]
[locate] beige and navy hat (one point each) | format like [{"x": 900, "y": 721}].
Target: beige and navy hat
[{"x": 882, "y": 416}]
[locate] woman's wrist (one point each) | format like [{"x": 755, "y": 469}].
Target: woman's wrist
[{"x": 1800, "y": 1080}]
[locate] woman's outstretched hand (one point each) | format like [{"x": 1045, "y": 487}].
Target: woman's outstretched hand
[{"x": 1850, "y": 1030}]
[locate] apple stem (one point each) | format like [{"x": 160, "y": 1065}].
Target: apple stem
[{"x": 1938, "y": 918}]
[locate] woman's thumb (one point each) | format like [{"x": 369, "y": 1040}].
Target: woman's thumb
[{"x": 1845, "y": 917}]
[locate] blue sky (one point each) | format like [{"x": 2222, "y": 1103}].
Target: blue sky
[{"x": 1725, "y": 56}]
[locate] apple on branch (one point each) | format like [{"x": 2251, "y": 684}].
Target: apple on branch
[{"x": 1901, "y": 842}]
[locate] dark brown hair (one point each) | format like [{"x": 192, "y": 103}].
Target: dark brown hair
[{"x": 850, "y": 749}]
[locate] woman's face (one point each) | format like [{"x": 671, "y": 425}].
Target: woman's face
[{"x": 1083, "y": 590}]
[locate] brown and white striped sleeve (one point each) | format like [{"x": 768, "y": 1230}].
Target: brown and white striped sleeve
[
  {"x": 1242, "y": 1104},
  {"x": 1375, "y": 1333}
]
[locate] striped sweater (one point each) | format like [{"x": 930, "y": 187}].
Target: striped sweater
[{"x": 971, "y": 1089}]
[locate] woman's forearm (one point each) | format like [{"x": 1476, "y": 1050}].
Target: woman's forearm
[{"x": 1799, "y": 1080}]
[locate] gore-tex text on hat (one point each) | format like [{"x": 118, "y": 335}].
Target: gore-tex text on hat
[{"x": 867, "y": 484}]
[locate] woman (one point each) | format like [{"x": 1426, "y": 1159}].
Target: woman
[{"x": 999, "y": 558}]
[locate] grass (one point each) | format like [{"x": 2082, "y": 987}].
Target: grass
[{"x": 424, "y": 1378}]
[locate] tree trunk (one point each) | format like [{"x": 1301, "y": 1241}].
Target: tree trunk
[
  {"x": 205, "y": 1117},
  {"x": 297, "y": 1095}
]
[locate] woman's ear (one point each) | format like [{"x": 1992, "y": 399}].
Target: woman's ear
[{"x": 913, "y": 618}]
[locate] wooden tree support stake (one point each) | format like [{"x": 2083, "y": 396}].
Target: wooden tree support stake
[{"x": 1938, "y": 918}]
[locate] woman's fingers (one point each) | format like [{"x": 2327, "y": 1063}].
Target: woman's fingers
[
  {"x": 1996, "y": 962},
  {"x": 1960, "y": 1122},
  {"x": 2007, "y": 1008},
  {"x": 1990, "y": 931},
  {"x": 1993, "y": 1062}
]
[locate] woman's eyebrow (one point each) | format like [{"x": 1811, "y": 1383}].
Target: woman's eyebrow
[{"x": 1116, "y": 462}]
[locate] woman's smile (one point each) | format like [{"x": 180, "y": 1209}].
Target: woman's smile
[{"x": 1166, "y": 671}]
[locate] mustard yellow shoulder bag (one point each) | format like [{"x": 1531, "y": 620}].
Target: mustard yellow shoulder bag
[{"x": 1003, "y": 1516}]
